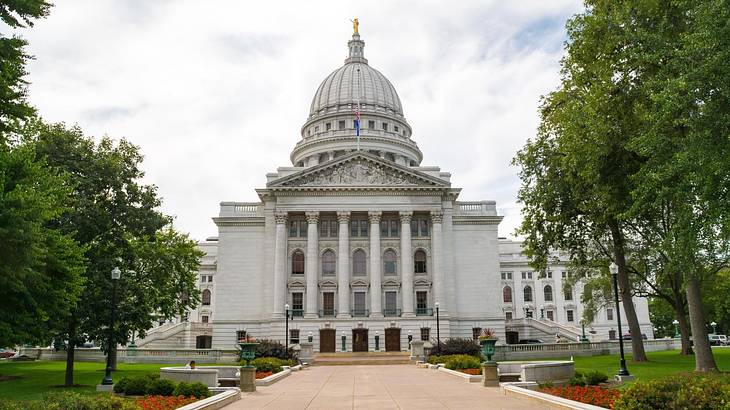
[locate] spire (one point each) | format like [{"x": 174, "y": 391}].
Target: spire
[{"x": 356, "y": 46}]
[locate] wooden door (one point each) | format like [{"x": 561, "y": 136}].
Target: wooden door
[
  {"x": 392, "y": 340},
  {"x": 327, "y": 340},
  {"x": 359, "y": 340}
]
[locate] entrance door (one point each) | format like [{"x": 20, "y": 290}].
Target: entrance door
[
  {"x": 359, "y": 340},
  {"x": 327, "y": 340},
  {"x": 392, "y": 340}
]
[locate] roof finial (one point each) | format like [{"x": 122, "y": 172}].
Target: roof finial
[
  {"x": 356, "y": 45},
  {"x": 355, "y": 26}
]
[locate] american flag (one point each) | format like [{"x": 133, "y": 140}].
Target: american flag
[{"x": 357, "y": 120}]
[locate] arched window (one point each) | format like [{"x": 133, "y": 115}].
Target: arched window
[
  {"x": 328, "y": 262},
  {"x": 206, "y": 297},
  {"x": 528, "y": 294},
  {"x": 507, "y": 294},
  {"x": 297, "y": 263},
  {"x": 389, "y": 260},
  {"x": 568, "y": 292},
  {"x": 548, "y": 292},
  {"x": 419, "y": 262},
  {"x": 358, "y": 262}
]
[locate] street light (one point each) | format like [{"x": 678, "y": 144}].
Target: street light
[
  {"x": 675, "y": 322},
  {"x": 310, "y": 337},
  {"x": 286, "y": 331},
  {"x": 438, "y": 330},
  {"x": 107, "y": 380},
  {"x": 623, "y": 371},
  {"x": 713, "y": 324},
  {"x": 377, "y": 341}
]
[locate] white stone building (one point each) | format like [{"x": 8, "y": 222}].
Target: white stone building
[{"x": 362, "y": 240}]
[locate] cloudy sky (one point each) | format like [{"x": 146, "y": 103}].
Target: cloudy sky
[{"x": 215, "y": 92}]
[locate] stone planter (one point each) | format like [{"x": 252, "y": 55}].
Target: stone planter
[
  {"x": 488, "y": 348},
  {"x": 248, "y": 352}
]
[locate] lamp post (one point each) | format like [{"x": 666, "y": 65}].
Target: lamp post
[
  {"x": 286, "y": 331},
  {"x": 310, "y": 337},
  {"x": 410, "y": 339},
  {"x": 675, "y": 322},
  {"x": 107, "y": 380},
  {"x": 344, "y": 342},
  {"x": 623, "y": 371},
  {"x": 438, "y": 330},
  {"x": 377, "y": 341},
  {"x": 583, "y": 337},
  {"x": 713, "y": 324}
]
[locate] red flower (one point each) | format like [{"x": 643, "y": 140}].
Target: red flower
[{"x": 595, "y": 395}]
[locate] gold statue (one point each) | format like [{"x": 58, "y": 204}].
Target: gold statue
[{"x": 355, "y": 25}]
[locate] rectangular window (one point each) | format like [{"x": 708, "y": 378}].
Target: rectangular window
[
  {"x": 390, "y": 263},
  {"x": 384, "y": 228},
  {"x": 563, "y": 274},
  {"x": 316, "y": 128},
  {"x": 210, "y": 278},
  {"x": 363, "y": 227},
  {"x": 609, "y": 314},
  {"x": 393, "y": 228},
  {"x": 425, "y": 334},
  {"x": 528, "y": 314},
  {"x": 297, "y": 304},
  {"x": 424, "y": 227},
  {"x": 354, "y": 225},
  {"x": 508, "y": 315},
  {"x": 570, "y": 315},
  {"x": 334, "y": 226},
  {"x": 293, "y": 228},
  {"x": 475, "y": 332},
  {"x": 359, "y": 304},
  {"x": 421, "y": 302},
  {"x": 341, "y": 125},
  {"x": 328, "y": 126},
  {"x": 414, "y": 228},
  {"x": 395, "y": 128},
  {"x": 241, "y": 335},
  {"x": 550, "y": 315},
  {"x": 385, "y": 126},
  {"x": 529, "y": 275},
  {"x": 303, "y": 229},
  {"x": 371, "y": 124},
  {"x": 504, "y": 275},
  {"x": 328, "y": 303},
  {"x": 509, "y": 275},
  {"x": 294, "y": 336},
  {"x": 391, "y": 304},
  {"x": 524, "y": 275},
  {"x": 202, "y": 278},
  {"x": 550, "y": 274},
  {"x": 204, "y": 319},
  {"x": 324, "y": 228}
]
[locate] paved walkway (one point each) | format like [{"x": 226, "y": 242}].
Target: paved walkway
[{"x": 377, "y": 387}]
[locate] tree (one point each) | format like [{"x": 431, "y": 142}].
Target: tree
[{"x": 117, "y": 220}]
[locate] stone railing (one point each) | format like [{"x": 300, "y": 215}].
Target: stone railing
[
  {"x": 475, "y": 208},
  {"x": 140, "y": 355},
  {"x": 241, "y": 209},
  {"x": 564, "y": 350}
]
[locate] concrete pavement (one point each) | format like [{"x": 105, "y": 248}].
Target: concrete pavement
[{"x": 377, "y": 387}]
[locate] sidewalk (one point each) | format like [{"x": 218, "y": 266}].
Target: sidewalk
[{"x": 376, "y": 387}]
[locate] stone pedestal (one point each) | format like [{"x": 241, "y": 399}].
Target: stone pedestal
[
  {"x": 306, "y": 354},
  {"x": 622, "y": 379},
  {"x": 417, "y": 352},
  {"x": 248, "y": 379},
  {"x": 105, "y": 387},
  {"x": 490, "y": 378}
]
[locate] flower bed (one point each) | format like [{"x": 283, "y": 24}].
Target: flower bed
[
  {"x": 164, "y": 402},
  {"x": 595, "y": 395},
  {"x": 263, "y": 374},
  {"x": 473, "y": 372}
]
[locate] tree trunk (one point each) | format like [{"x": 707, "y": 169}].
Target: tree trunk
[
  {"x": 70, "y": 353},
  {"x": 637, "y": 343},
  {"x": 704, "y": 360},
  {"x": 681, "y": 314}
]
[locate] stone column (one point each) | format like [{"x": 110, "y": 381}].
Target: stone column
[
  {"x": 376, "y": 310},
  {"x": 437, "y": 261},
  {"x": 312, "y": 264},
  {"x": 406, "y": 265},
  {"x": 343, "y": 265},
  {"x": 280, "y": 264}
]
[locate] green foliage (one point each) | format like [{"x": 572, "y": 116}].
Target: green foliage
[
  {"x": 198, "y": 390},
  {"x": 72, "y": 400},
  {"x": 456, "y": 345},
  {"x": 686, "y": 391},
  {"x": 137, "y": 386},
  {"x": 588, "y": 377},
  {"x": 576, "y": 381},
  {"x": 161, "y": 387},
  {"x": 462, "y": 361},
  {"x": 272, "y": 348},
  {"x": 270, "y": 364}
]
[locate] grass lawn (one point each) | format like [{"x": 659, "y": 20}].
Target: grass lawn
[
  {"x": 36, "y": 378},
  {"x": 661, "y": 363}
]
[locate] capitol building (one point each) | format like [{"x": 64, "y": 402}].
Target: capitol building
[{"x": 359, "y": 238}]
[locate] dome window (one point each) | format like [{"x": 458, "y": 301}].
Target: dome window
[
  {"x": 395, "y": 128},
  {"x": 328, "y": 126},
  {"x": 341, "y": 125},
  {"x": 371, "y": 124},
  {"x": 385, "y": 126},
  {"x": 316, "y": 128}
]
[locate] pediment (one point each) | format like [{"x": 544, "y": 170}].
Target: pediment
[
  {"x": 359, "y": 169},
  {"x": 422, "y": 282},
  {"x": 296, "y": 283},
  {"x": 327, "y": 284},
  {"x": 391, "y": 283},
  {"x": 359, "y": 283}
]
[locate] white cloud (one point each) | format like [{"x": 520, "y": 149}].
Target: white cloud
[{"x": 215, "y": 93}]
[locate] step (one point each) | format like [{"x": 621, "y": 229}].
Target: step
[{"x": 361, "y": 358}]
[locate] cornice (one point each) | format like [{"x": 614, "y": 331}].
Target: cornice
[
  {"x": 239, "y": 221},
  {"x": 476, "y": 220}
]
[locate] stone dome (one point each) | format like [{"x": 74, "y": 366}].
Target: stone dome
[
  {"x": 330, "y": 129},
  {"x": 341, "y": 88}
]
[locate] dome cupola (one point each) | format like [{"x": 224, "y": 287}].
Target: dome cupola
[{"x": 331, "y": 129}]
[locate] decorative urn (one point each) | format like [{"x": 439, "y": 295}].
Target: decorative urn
[
  {"x": 248, "y": 350},
  {"x": 487, "y": 340}
]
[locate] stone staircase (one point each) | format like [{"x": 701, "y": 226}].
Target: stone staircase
[{"x": 361, "y": 358}]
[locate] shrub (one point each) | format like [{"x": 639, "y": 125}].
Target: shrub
[
  {"x": 677, "y": 392},
  {"x": 462, "y": 361},
  {"x": 272, "y": 348},
  {"x": 121, "y": 385},
  {"x": 198, "y": 390},
  {"x": 270, "y": 364},
  {"x": 161, "y": 387},
  {"x": 462, "y": 346},
  {"x": 594, "y": 378},
  {"x": 576, "y": 381},
  {"x": 436, "y": 359},
  {"x": 69, "y": 400},
  {"x": 137, "y": 386}
]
